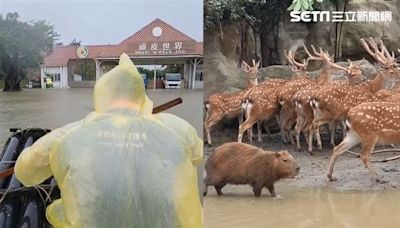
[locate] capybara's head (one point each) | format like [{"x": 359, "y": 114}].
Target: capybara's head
[{"x": 286, "y": 165}]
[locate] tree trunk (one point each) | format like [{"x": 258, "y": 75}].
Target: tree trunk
[
  {"x": 13, "y": 79},
  {"x": 269, "y": 42}
]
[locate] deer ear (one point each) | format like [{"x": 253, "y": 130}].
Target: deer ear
[{"x": 245, "y": 66}]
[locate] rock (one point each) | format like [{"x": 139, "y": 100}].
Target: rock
[
  {"x": 276, "y": 71},
  {"x": 389, "y": 32},
  {"x": 367, "y": 68},
  {"x": 222, "y": 55},
  {"x": 224, "y": 50}
]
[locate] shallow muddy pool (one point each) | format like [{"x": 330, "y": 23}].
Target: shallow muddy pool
[
  {"x": 318, "y": 207},
  {"x": 309, "y": 200}
]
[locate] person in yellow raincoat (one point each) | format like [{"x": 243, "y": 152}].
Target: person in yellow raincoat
[{"x": 121, "y": 166}]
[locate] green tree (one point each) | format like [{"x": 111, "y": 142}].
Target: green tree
[
  {"x": 175, "y": 68},
  {"x": 22, "y": 46}
]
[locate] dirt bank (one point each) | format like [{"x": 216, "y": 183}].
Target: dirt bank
[{"x": 349, "y": 170}]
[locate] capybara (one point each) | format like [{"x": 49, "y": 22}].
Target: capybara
[{"x": 240, "y": 163}]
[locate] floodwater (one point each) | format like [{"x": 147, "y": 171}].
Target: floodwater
[
  {"x": 53, "y": 108},
  {"x": 309, "y": 200},
  {"x": 302, "y": 208}
]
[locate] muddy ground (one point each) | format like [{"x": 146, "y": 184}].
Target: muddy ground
[{"x": 350, "y": 172}]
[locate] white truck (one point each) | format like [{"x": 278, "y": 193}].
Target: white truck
[{"x": 172, "y": 81}]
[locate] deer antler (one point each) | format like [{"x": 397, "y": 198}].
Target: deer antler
[
  {"x": 291, "y": 58},
  {"x": 324, "y": 56},
  {"x": 336, "y": 66},
  {"x": 310, "y": 56},
  {"x": 256, "y": 65},
  {"x": 390, "y": 56},
  {"x": 351, "y": 63},
  {"x": 288, "y": 56},
  {"x": 381, "y": 56}
]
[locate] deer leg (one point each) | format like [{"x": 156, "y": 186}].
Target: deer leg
[
  {"x": 213, "y": 119},
  {"x": 318, "y": 136},
  {"x": 289, "y": 131},
  {"x": 351, "y": 140},
  {"x": 265, "y": 124},
  {"x": 247, "y": 124},
  {"x": 298, "y": 128},
  {"x": 332, "y": 127},
  {"x": 259, "y": 133},
  {"x": 286, "y": 131},
  {"x": 316, "y": 127},
  {"x": 281, "y": 121},
  {"x": 250, "y": 134},
  {"x": 207, "y": 129},
  {"x": 306, "y": 128},
  {"x": 343, "y": 128},
  {"x": 367, "y": 148},
  {"x": 278, "y": 120},
  {"x": 288, "y": 124},
  {"x": 310, "y": 138},
  {"x": 240, "y": 118}
]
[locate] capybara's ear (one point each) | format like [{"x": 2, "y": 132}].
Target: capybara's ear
[
  {"x": 277, "y": 154},
  {"x": 284, "y": 152}
]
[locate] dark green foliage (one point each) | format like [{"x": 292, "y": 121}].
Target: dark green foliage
[
  {"x": 217, "y": 11},
  {"x": 22, "y": 46}
]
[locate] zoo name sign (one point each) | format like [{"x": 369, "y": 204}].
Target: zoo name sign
[
  {"x": 160, "y": 48},
  {"x": 339, "y": 16}
]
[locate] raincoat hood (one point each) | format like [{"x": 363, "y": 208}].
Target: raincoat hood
[{"x": 122, "y": 85}]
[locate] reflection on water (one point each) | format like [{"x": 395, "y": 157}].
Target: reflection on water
[{"x": 303, "y": 208}]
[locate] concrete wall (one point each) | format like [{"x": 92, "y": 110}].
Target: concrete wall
[{"x": 62, "y": 70}]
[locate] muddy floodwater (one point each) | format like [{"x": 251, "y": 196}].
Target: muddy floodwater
[
  {"x": 52, "y": 108},
  {"x": 303, "y": 208},
  {"x": 309, "y": 200}
]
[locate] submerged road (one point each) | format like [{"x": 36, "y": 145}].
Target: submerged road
[{"x": 52, "y": 108}]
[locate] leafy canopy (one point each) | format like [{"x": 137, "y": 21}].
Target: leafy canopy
[{"x": 24, "y": 43}]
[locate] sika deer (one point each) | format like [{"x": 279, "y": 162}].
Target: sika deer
[
  {"x": 369, "y": 123},
  {"x": 334, "y": 101},
  {"x": 264, "y": 97},
  {"x": 301, "y": 100},
  {"x": 286, "y": 93},
  {"x": 221, "y": 105},
  {"x": 372, "y": 122},
  {"x": 262, "y": 104}
]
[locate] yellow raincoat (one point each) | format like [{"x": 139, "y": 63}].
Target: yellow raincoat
[{"x": 120, "y": 166}]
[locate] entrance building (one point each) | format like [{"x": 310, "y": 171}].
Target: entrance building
[{"x": 158, "y": 43}]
